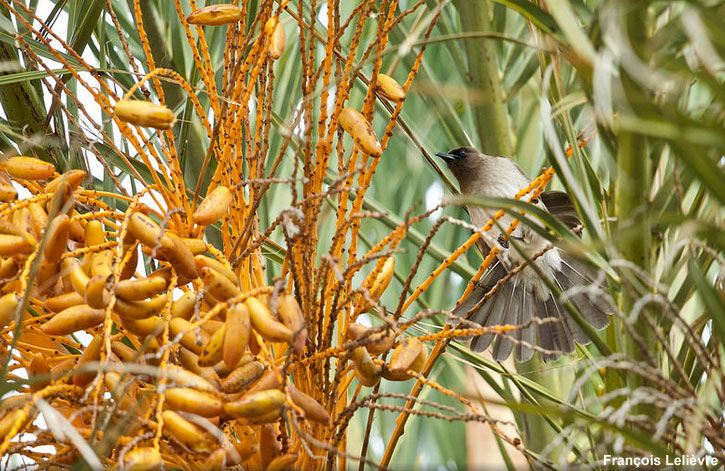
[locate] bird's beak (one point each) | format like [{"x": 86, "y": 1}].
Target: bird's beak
[{"x": 446, "y": 156}]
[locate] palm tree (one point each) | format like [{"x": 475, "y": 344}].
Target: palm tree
[{"x": 256, "y": 261}]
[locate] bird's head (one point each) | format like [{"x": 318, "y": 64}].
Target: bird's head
[
  {"x": 457, "y": 157},
  {"x": 464, "y": 162}
]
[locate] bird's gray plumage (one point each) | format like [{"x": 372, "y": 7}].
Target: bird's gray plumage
[{"x": 524, "y": 297}]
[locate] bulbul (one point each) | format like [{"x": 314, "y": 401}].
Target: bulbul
[{"x": 525, "y": 295}]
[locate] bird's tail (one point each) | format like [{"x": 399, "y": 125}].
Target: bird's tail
[{"x": 516, "y": 303}]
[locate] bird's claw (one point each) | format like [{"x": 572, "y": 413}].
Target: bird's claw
[
  {"x": 481, "y": 284},
  {"x": 502, "y": 241}
]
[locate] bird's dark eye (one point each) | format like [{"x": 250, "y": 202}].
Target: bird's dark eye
[{"x": 460, "y": 152}]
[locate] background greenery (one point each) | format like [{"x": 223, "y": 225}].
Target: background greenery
[{"x": 641, "y": 80}]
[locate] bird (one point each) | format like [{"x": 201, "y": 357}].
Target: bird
[{"x": 524, "y": 296}]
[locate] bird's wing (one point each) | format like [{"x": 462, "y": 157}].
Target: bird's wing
[
  {"x": 489, "y": 280},
  {"x": 559, "y": 204}
]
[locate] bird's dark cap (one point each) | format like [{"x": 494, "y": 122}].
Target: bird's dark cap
[{"x": 456, "y": 154}]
